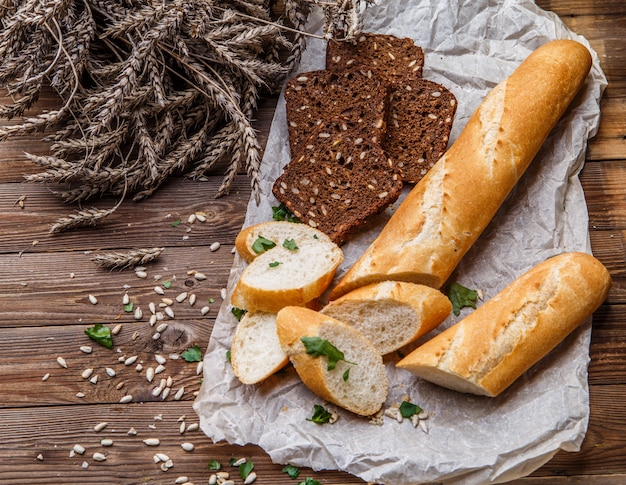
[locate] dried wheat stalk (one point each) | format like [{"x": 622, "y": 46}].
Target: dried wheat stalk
[
  {"x": 149, "y": 89},
  {"x": 129, "y": 259}
]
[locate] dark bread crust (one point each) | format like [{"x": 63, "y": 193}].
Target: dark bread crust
[
  {"x": 358, "y": 97},
  {"x": 395, "y": 59},
  {"x": 419, "y": 122},
  {"x": 338, "y": 181}
]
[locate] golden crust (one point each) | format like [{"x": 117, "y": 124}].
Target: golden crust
[{"x": 502, "y": 339}]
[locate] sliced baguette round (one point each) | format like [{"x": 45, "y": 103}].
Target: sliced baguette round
[
  {"x": 281, "y": 276},
  {"x": 490, "y": 348},
  {"x": 256, "y": 353},
  {"x": 366, "y": 387},
  {"x": 391, "y": 314},
  {"x": 275, "y": 231}
]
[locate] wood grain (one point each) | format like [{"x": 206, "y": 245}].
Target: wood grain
[{"x": 45, "y": 281}]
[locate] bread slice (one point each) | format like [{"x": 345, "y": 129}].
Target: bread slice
[
  {"x": 358, "y": 97},
  {"x": 490, "y": 348},
  {"x": 419, "y": 122},
  {"x": 256, "y": 353},
  {"x": 339, "y": 181},
  {"x": 391, "y": 314},
  {"x": 394, "y": 58},
  {"x": 364, "y": 390},
  {"x": 277, "y": 232},
  {"x": 288, "y": 274}
]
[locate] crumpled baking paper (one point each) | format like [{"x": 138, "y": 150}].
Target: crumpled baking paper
[{"x": 469, "y": 46}]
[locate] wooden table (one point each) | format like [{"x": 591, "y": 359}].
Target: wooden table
[{"x": 46, "y": 280}]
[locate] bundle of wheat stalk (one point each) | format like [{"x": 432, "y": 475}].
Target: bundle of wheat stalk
[{"x": 149, "y": 88}]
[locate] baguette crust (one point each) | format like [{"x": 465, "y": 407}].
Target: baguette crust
[
  {"x": 365, "y": 391},
  {"x": 489, "y": 349},
  {"x": 449, "y": 208},
  {"x": 391, "y": 314}
]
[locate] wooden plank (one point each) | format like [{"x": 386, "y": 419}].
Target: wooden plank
[
  {"x": 573, "y": 8},
  {"x": 52, "y": 431}
]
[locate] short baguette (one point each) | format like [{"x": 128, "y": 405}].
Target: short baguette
[
  {"x": 450, "y": 207},
  {"x": 365, "y": 389},
  {"x": 490, "y": 348},
  {"x": 391, "y": 314}
]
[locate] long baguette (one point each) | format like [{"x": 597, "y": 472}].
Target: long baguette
[
  {"x": 449, "y": 208},
  {"x": 490, "y": 348}
]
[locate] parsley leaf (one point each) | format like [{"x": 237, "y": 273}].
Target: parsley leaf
[
  {"x": 346, "y": 375},
  {"x": 128, "y": 308},
  {"x": 460, "y": 296},
  {"x": 214, "y": 465},
  {"x": 309, "y": 481},
  {"x": 262, "y": 244},
  {"x": 101, "y": 334},
  {"x": 192, "y": 354},
  {"x": 273, "y": 264},
  {"x": 245, "y": 469},
  {"x": 238, "y": 312},
  {"x": 317, "y": 346},
  {"x": 320, "y": 415},
  {"x": 408, "y": 409},
  {"x": 167, "y": 285},
  {"x": 281, "y": 213},
  {"x": 175, "y": 223},
  {"x": 292, "y": 471},
  {"x": 290, "y": 244}
]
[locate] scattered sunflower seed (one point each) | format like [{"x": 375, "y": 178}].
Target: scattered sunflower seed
[
  {"x": 156, "y": 336},
  {"x": 119, "y": 385},
  {"x": 190, "y": 447},
  {"x": 139, "y": 367},
  {"x": 180, "y": 480},
  {"x": 153, "y": 320},
  {"x": 150, "y": 374},
  {"x": 215, "y": 246},
  {"x": 201, "y": 217},
  {"x": 141, "y": 274},
  {"x": 191, "y": 219},
  {"x": 138, "y": 314},
  {"x": 160, "y": 359},
  {"x": 126, "y": 399},
  {"x": 94, "y": 379},
  {"x": 85, "y": 349},
  {"x": 181, "y": 297},
  {"x": 80, "y": 394},
  {"x": 116, "y": 329},
  {"x": 182, "y": 427},
  {"x": 238, "y": 462},
  {"x": 152, "y": 442},
  {"x": 199, "y": 367},
  {"x": 199, "y": 276},
  {"x": 204, "y": 310},
  {"x": 130, "y": 360},
  {"x": 93, "y": 300},
  {"x": 46, "y": 377},
  {"x": 167, "y": 301},
  {"x": 223, "y": 293},
  {"x": 193, "y": 427},
  {"x": 166, "y": 393},
  {"x": 80, "y": 449},
  {"x": 169, "y": 312},
  {"x": 61, "y": 361},
  {"x": 125, "y": 299},
  {"x": 250, "y": 478},
  {"x": 192, "y": 299},
  {"x": 159, "y": 290},
  {"x": 40, "y": 457},
  {"x": 100, "y": 426},
  {"x": 132, "y": 432},
  {"x": 152, "y": 308},
  {"x": 99, "y": 457},
  {"x": 162, "y": 328},
  {"x": 107, "y": 442},
  {"x": 156, "y": 391}
]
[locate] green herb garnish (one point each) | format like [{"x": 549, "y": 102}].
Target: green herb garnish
[
  {"x": 281, "y": 213},
  {"x": 292, "y": 471},
  {"x": 262, "y": 244},
  {"x": 167, "y": 285},
  {"x": 460, "y": 296},
  {"x": 346, "y": 375},
  {"x": 228, "y": 354},
  {"x": 408, "y": 409},
  {"x": 309, "y": 481},
  {"x": 290, "y": 244},
  {"x": 128, "y": 308},
  {"x": 317, "y": 346},
  {"x": 238, "y": 312},
  {"x": 245, "y": 469},
  {"x": 100, "y": 334},
  {"x": 273, "y": 264},
  {"x": 320, "y": 415},
  {"x": 175, "y": 223},
  {"x": 215, "y": 465},
  {"x": 192, "y": 354}
]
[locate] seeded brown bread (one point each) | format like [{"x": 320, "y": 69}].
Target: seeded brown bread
[
  {"x": 394, "y": 58},
  {"x": 449, "y": 208},
  {"x": 358, "y": 97},
  {"x": 490, "y": 348},
  {"x": 419, "y": 122},
  {"x": 338, "y": 181}
]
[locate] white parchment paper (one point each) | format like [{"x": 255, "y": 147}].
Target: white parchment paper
[{"x": 470, "y": 47}]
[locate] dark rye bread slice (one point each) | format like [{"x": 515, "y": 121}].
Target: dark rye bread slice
[
  {"x": 394, "y": 58},
  {"x": 357, "y": 96},
  {"x": 338, "y": 181},
  {"x": 419, "y": 122}
]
